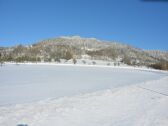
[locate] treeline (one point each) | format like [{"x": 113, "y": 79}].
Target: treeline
[
  {"x": 160, "y": 65},
  {"x": 37, "y": 53},
  {"x": 8, "y": 58},
  {"x": 24, "y": 58}
]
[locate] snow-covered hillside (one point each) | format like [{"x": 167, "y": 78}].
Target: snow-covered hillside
[
  {"x": 75, "y": 47},
  {"x": 82, "y": 96}
]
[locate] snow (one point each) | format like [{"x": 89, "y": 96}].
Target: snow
[
  {"x": 82, "y": 96},
  {"x": 28, "y": 83},
  {"x": 123, "y": 106}
]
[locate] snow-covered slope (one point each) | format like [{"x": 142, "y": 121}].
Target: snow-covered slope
[{"x": 142, "y": 104}]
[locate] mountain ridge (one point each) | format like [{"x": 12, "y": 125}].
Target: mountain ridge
[{"x": 75, "y": 47}]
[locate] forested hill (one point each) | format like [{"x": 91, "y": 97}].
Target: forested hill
[{"x": 75, "y": 47}]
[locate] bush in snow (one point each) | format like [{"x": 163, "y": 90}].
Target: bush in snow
[
  {"x": 22, "y": 125},
  {"x": 83, "y": 61},
  {"x": 74, "y": 61},
  {"x": 108, "y": 64},
  {"x": 93, "y": 62}
]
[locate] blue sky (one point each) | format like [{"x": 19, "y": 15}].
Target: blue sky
[{"x": 135, "y": 22}]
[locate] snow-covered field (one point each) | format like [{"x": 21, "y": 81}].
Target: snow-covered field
[{"x": 69, "y": 95}]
